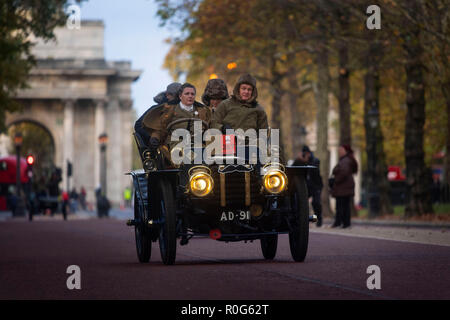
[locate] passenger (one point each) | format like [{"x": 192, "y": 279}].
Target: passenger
[
  {"x": 170, "y": 96},
  {"x": 159, "y": 118},
  {"x": 241, "y": 110},
  {"x": 216, "y": 90}
]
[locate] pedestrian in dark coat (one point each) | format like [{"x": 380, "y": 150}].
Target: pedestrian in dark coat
[
  {"x": 103, "y": 204},
  {"x": 343, "y": 188},
  {"x": 313, "y": 180},
  {"x": 65, "y": 203}
]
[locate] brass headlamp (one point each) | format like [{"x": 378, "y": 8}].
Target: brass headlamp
[
  {"x": 275, "y": 180},
  {"x": 200, "y": 181}
]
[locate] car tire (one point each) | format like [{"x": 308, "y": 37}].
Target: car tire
[
  {"x": 269, "y": 246},
  {"x": 299, "y": 220},
  {"x": 142, "y": 234},
  {"x": 168, "y": 231}
]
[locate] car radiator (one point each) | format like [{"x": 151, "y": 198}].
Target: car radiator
[{"x": 235, "y": 189}]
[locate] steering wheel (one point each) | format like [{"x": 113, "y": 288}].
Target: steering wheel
[{"x": 204, "y": 123}]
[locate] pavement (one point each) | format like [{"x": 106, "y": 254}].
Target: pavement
[{"x": 404, "y": 233}]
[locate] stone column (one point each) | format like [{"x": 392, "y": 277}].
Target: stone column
[
  {"x": 114, "y": 152},
  {"x": 99, "y": 129},
  {"x": 69, "y": 106},
  {"x": 127, "y": 141}
]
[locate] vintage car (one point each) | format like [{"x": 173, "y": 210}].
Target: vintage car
[{"x": 227, "y": 202}]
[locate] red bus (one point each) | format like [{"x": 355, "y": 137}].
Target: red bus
[{"x": 8, "y": 176}]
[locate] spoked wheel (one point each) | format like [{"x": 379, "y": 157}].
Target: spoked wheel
[
  {"x": 168, "y": 231},
  {"x": 269, "y": 246},
  {"x": 142, "y": 233},
  {"x": 299, "y": 220}
]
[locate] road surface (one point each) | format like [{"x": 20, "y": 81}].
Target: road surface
[{"x": 35, "y": 256}]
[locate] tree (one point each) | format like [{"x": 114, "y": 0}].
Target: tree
[
  {"x": 252, "y": 33},
  {"x": 18, "y": 21},
  {"x": 435, "y": 23},
  {"x": 405, "y": 17},
  {"x": 377, "y": 170}
]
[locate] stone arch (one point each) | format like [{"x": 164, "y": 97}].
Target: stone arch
[
  {"x": 50, "y": 136},
  {"x": 23, "y": 119}
]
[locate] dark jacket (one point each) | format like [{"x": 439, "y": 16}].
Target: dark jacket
[
  {"x": 313, "y": 177},
  {"x": 157, "y": 120},
  {"x": 103, "y": 205},
  {"x": 139, "y": 127},
  {"x": 344, "y": 184},
  {"x": 241, "y": 114}
]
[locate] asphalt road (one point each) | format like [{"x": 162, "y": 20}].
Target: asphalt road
[{"x": 34, "y": 258}]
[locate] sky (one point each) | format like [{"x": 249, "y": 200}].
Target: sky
[{"x": 132, "y": 33}]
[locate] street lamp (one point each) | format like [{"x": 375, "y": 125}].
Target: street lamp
[
  {"x": 20, "y": 207},
  {"x": 103, "y": 141},
  {"x": 374, "y": 197}
]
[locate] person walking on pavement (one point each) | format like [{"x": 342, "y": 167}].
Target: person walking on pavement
[
  {"x": 313, "y": 180},
  {"x": 343, "y": 188},
  {"x": 11, "y": 199},
  {"x": 65, "y": 204},
  {"x": 103, "y": 204},
  {"x": 127, "y": 197},
  {"x": 73, "y": 200},
  {"x": 83, "y": 198}
]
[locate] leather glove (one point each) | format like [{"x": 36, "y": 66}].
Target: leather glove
[
  {"x": 154, "y": 143},
  {"x": 225, "y": 127}
]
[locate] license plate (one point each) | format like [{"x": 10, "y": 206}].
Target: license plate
[{"x": 235, "y": 215}]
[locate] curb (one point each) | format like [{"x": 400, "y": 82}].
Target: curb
[{"x": 398, "y": 224}]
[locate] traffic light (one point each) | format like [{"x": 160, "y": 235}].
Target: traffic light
[
  {"x": 30, "y": 163},
  {"x": 30, "y": 160}
]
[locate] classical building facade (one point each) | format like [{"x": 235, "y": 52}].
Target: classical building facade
[{"x": 77, "y": 95}]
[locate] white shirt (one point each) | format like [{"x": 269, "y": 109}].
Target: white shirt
[{"x": 187, "y": 108}]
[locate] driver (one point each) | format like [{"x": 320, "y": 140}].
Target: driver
[{"x": 157, "y": 120}]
